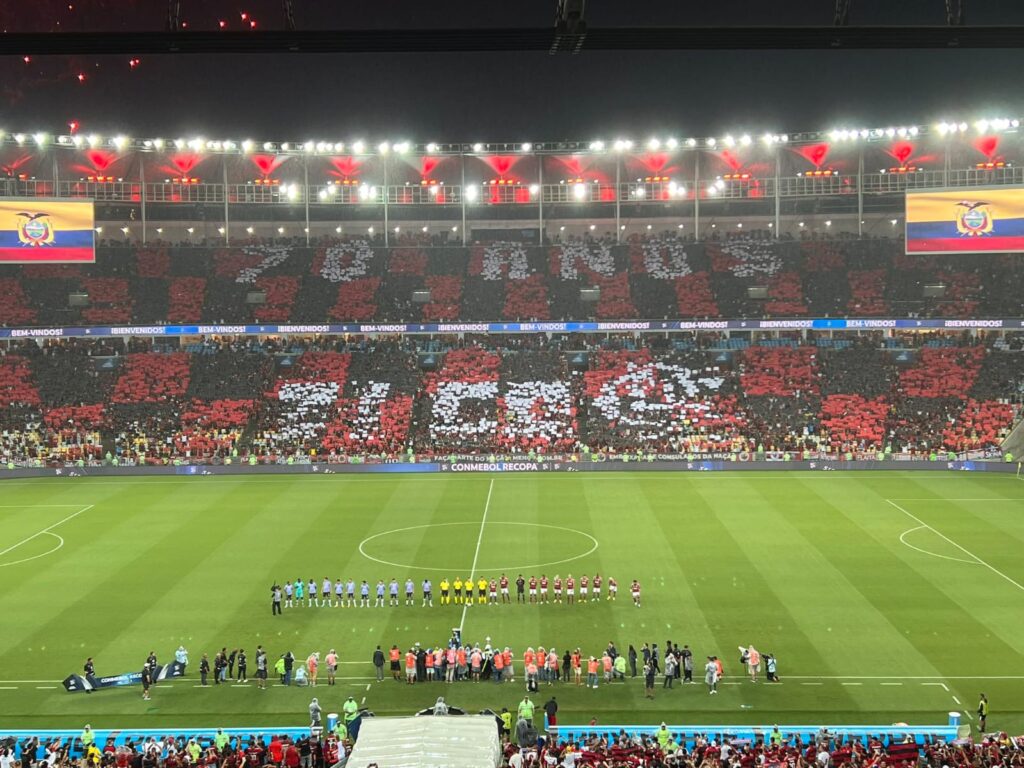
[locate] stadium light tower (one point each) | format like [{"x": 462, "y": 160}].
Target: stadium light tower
[{"x": 570, "y": 28}]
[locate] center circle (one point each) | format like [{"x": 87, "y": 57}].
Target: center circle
[{"x": 550, "y": 530}]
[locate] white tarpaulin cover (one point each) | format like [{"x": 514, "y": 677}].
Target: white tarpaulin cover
[{"x": 453, "y": 741}]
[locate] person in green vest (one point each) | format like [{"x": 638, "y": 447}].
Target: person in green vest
[
  {"x": 933, "y": 456},
  {"x": 951, "y": 456},
  {"x": 252, "y": 461},
  {"x": 221, "y": 740},
  {"x": 492, "y": 459},
  {"x": 340, "y": 730},
  {"x": 227, "y": 461},
  {"x": 88, "y": 737},
  {"x": 506, "y": 722},
  {"x": 194, "y": 750},
  {"x": 664, "y": 736},
  {"x": 10, "y": 465},
  {"x": 350, "y": 710},
  {"x": 234, "y": 453},
  {"x": 291, "y": 460},
  {"x": 880, "y": 456},
  {"x": 80, "y": 463},
  {"x": 620, "y": 667},
  {"x": 1008, "y": 457},
  {"x": 525, "y": 711},
  {"x": 109, "y": 457},
  {"x": 786, "y": 456},
  {"x": 279, "y": 668}
]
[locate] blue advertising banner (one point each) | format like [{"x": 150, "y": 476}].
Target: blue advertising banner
[{"x": 818, "y": 324}]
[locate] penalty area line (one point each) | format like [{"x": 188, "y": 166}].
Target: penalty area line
[
  {"x": 46, "y": 530},
  {"x": 966, "y": 551}
]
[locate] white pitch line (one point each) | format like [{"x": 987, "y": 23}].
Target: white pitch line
[
  {"x": 851, "y": 683},
  {"x": 476, "y": 555},
  {"x": 942, "y": 685},
  {"x": 46, "y": 687},
  {"x": 33, "y": 506},
  {"x": 968, "y": 715},
  {"x": 906, "y": 543},
  {"x": 46, "y": 530},
  {"x": 967, "y": 552},
  {"x": 957, "y": 700},
  {"x": 811, "y": 683},
  {"x": 892, "y": 683}
]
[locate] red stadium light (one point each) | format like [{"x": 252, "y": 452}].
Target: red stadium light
[
  {"x": 101, "y": 179},
  {"x": 902, "y": 169},
  {"x": 737, "y": 176},
  {"x": 993, "y": 165},
  {"x": 818, "y": 173},
  {"x": 266, "y": 182}
]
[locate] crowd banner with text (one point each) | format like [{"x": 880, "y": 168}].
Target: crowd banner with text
[
  {"x": 43, "y": 230},
  {"x": 965, "y": 220}
]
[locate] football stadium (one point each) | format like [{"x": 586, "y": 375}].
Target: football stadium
[{"x": 683, "y": 447}]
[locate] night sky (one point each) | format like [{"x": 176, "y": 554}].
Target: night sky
[{"x": 498, "y": 97}]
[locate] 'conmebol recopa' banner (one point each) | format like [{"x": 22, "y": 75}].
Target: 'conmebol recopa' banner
[
  {"x": 40, "y": 230},
  {"x": 966, "y": 220}
]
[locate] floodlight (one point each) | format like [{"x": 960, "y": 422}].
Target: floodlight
[
  {"x": 478, "y": 147},
  {"x": 745, "y": 140},
  {"x": 654, "y": 145},
  {"x": 471, "y": 193},
  {"x": 671, "y": 143},
  {"x": 597, "y": 146},
  {"x": 383, "y": 148},
  {"x": 431, "y": 148},
  {"x": 526, "y": 146},
  {"x": 579, "y": 191},
  {"x": 534, "y": 189},
  {"x": 39, "y": 138},
  {"x": 247, "y": 145},
  {"x": 358, "y": 147}
]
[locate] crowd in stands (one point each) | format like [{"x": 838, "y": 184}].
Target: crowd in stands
[
  {"x": 657, "y": 277},
  {"x": 329, "y": 399},
  {"x": 593, "y": 747}
]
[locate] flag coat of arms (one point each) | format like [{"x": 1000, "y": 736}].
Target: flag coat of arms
[
  {"x": 969, "y": 220},
  {"x": 40, "y": 230}
]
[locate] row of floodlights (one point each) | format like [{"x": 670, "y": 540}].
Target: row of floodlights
[{"x": 654, "y": 144}]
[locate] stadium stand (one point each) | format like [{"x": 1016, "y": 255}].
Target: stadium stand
[
  {"x": 329, "y": 399},
  {"x": 648, "y": 277}
]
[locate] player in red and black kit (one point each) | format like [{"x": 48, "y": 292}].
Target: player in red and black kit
[
  {"x": 504, "y": 589},
  {"x": 613, "y": 588},
  {"x": 492, "y": 592},
  {"x": 570, "y": 589},
  {"x": 597, "y": 587},
  {"x": 557, "y": 584},
  {"x": 543, "y": 588},
  {"x": 634, "y": 590},
  {"x": 533, "y": 589},
  {"x": 584, "y": 585}
]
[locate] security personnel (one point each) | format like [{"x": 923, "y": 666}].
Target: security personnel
[
  {"x": 350, "y": 710},
  {"x": 443, "y": 586},
  {"x": 457, "y": 585}
]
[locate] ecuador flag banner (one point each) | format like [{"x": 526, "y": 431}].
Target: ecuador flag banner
[
  {"x": 969, "y": 220},
  {"x": 39, "y": 230}
]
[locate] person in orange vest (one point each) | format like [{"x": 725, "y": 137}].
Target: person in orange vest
[
  {"x": 410, "y": 667},
  {"x": 541, "y": 658},
  {"x": 429, "y": 663},
  {"x": 753, "y": 663},
  {"x": 592, "y": 673},
  {"x": 577, "y": 667},
  {"x": 606, "y": 663},
  {"x": 476, "y": 661},
  {"x": 528, "y": 657},
  {"x": 394, "y": 655},
  {"x": 460, "y": 660},
  {"x": 498, "y": 665},
  {"x": 509, "y": 671},
  {"x": 719, "y": 667},
  {"x": 332, "y": 666}
]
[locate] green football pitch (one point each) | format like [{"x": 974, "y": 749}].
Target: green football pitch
[{"x": 887, "y": 597}]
